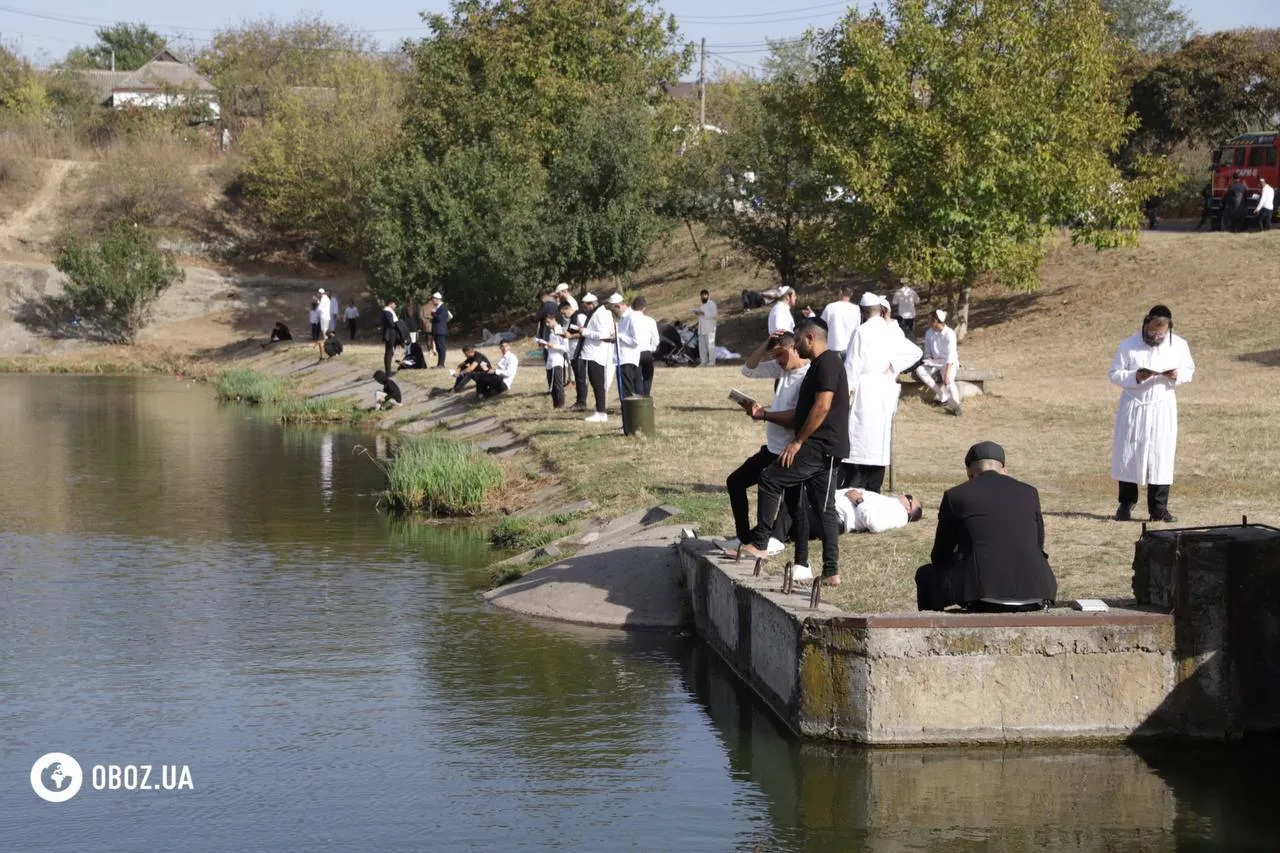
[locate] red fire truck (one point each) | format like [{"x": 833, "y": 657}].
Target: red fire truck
[{"x": 1249, "y": 156}]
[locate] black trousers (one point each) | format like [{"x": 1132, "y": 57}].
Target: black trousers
[
  {"x": 351, "y": 330},
  {"x": 1264, "y": 218},
  {"x": 743, "y": 478},
  {"x": 937, "y": 587},
  {"x": 812, "y": 473},
  {"x": 855, "y": 476},
  {"x": 1157, "y": 497},
  {"x": 463, "y": 380},
  {"x": 646, "y": 374},
  {"x": 908, "y": 324},
  {"x": 580, "y": 382},
  {"x": 556, "y": 375},
  {"x": 388, "y": 353},
  {"x": 631, "y": 380},
  {"x": 315, "y": 331},
  {"x": 441, "y": 341},
  {"x": 488, "y": 384},
  {"x": 595, "y": 374}
]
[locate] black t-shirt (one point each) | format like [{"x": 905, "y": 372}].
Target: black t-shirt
[
  {"x": 393, "y": 390},
  {"x": 826, "y": 373},
  {"x": 479, "y": 361}
]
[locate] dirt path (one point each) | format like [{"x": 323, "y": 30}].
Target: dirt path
[{"x": 23, "y": 226}]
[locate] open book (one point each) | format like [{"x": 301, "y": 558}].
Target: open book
[{"x": 738, "y": 397}]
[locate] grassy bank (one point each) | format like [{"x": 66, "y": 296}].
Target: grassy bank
[
  {"x": 517, "y": 533},
  {"x": 441, "y": 477},
  {"x": 240, "y": 384},
  {"x": 106, "y": 361}
]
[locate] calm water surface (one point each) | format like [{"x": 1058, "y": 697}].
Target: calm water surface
[{"x": 183, "y": 583}]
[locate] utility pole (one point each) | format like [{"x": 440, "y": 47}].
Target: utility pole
[
  {"x": 113, "y": 59},
  {"x": 702, "y": 87}
]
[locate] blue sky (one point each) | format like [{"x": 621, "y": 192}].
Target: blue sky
[{"x": 734, "y": 29}]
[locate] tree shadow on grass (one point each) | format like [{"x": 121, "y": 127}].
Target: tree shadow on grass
[
  {"x": 53, "y": 317},
  {"x": 1269, "y": 358},
  {"x": 1093, "y": 516}
]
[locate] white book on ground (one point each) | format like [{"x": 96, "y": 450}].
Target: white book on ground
[{"x": 1094, "y": 605}]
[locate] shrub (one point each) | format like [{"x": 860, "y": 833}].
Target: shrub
[
  {"x": 114, "y": 278},
  {"x": 440, "y": 476},
  {"x": 149, "y": 179},
  {"x": 250, "y": 386},
  {"x": 292, "y": 410}
]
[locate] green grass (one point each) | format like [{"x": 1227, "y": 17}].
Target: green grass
[
  {"x": 440, "y": 476},
  {"x": 521, "y": 534},
  {"x": 291, "y": 410},
  {"x": 250, "y": 386}
]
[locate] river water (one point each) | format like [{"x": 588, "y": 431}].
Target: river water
[{"x": 185, "y": 585}]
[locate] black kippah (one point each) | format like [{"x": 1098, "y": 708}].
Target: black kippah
[
  {"x": 1160, "y": 311},
  {"x": 984, "y": 450}
]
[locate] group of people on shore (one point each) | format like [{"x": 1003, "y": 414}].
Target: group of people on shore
[
  {"x": 426, "y": 324},
  {"x": 826, "y": 448}
]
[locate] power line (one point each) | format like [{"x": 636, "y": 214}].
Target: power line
[{"x": 744, "y": 16}]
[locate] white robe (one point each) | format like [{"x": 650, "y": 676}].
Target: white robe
[
  {"x": 877, "y": 354},
  {"x": 325, "y": 316},
  {"x": 1146, "y": 435}
]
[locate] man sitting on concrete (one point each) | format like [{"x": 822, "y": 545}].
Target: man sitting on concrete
[
  {"x": 472, "y": 366},
  {"x": 937, "y": 370},
  {"x": 498, "y": 380},
  {"x": 988, "y": 552}
]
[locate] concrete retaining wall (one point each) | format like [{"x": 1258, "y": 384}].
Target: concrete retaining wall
[{"x": 933, "y": 678}]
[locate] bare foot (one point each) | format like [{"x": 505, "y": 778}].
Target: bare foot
[
  {"x": 831, "y": 580},
  {"x": 747, "y": 551}
]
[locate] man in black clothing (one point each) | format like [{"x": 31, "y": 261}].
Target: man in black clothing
[
  {"x": 389, "y": 321},
  {"x": 808, "y": 463},
  {"x": 990, "y": 541},
  {"x": 389, "y": 395},
  {"x": 439, "y": 326},
  {"x": 474, "y": 364}
]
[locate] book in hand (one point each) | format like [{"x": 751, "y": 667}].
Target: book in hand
[{"x": 742, "y": 399}]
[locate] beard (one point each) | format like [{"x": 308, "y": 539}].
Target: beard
[{"x": 706, "y": 299}]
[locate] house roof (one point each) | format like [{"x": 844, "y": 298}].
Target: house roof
[{"x": 164, "y": 71}]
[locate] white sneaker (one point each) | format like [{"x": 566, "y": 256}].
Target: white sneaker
[
  {"x": 774, "y": 547},
  {"x": 801, "y": 573},
  {"x": 597, "y": 418}
]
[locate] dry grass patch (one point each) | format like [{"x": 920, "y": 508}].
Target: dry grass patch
[
  {"x": 153, "y": 180},
  {"x": 20, "y": 179}
]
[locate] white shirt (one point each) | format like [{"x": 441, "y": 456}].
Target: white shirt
[
  {"x": 313, "y": 316},
  {"x": 876, "y": 514},
  {"x": 777, "y": 436},
  {"x": 842, "y": 318},
  {"x": 1268, "y": 199},
  {"x": 707, "y": 313},
  {"x": 351, "y": 313},
  {"x": 628, "y": 338},
  {"x": 507, "y": 367},
  {"x": 780, "y": 317},
  {"x": 557, "y": 346},
  {"x": 646, "y": 329},
  {"x": 940, "y": 347},
  {"x": 599, "y": 326},
  {"x": 334, "y": 305},
  {"x": 905, "y": 301},
  {"x": 324, "y": 312}
]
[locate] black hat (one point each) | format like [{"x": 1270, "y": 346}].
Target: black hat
[
  {"x": 1160, "y": 311},
  {"x": 984, "y": 450}
]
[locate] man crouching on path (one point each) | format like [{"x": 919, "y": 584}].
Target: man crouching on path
[{"x": 808, "y": 463}]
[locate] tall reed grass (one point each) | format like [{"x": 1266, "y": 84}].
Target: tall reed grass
[
  {"x": 293, "y": 410},
  {"x": 250, "y": 386},
  {"x": 439, "y": 476}
]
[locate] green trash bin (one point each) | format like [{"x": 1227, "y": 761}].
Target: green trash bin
[{"x": 637, "y": 415}]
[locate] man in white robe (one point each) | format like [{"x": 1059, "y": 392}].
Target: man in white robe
[
  {"x": 325, "y": 307},
  {"x": 780, "y": 317},
  {"x": 877, "y": 354},
  {"x": 1147, "y": 367}
]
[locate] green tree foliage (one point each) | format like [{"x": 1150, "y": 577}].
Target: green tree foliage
[
  {"x": 770, "y": 199},
  {"x": 114, "y": 278},
  {"x": 1152, "y": 26},
  {"x": 22, "y": 94},
  {"x": 965, "y": 133},
  {"x": 131, "y": 45},
  {"x": 1212, "y": 88},
  {"x": 311, "y": 165},
  {"x": 256, "y": 64},
  {"x": 526, "y": 119}
]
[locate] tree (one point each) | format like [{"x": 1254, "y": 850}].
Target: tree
[
  {"x": 312, "y": 163},
  {"x": 1214, "y": 87},
  {"x": 114, "y": 278},
  {"x": 507, "y": 155},
  {"x": 22, "y": 94},
  {"x": 772, "y": 201},
  {"x": 256, "y": 64},
  {"x": 966, "y": 133},
  {"x": 124, "y": 47},
  {"x": 1152, "y": 26}
]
